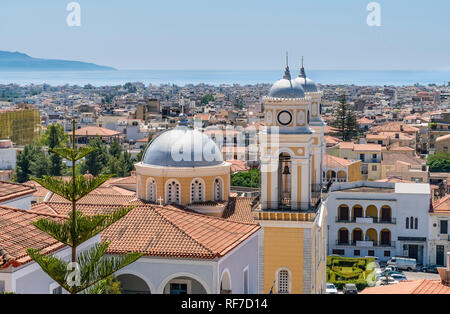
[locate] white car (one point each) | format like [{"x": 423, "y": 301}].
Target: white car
[
  {"x": 391, "y": 281},
  {"x": 398, "y": 277},
  {"x": 331, "y": 289}
]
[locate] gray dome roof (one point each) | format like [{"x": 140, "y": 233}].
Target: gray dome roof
[
  {"x": 182, "y": 147},
  {"x": 308, "y": 85},
  {"x": 286, "y": 88}
]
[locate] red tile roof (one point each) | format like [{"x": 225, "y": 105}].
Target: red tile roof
[
  {"x": 239, "y": 209},
  {"x": 167, "y": 231},
  {"x": 442, "y": 205},
  {"x": 9, "y": 191},
  {"x": 95, "y": 131},
  {"x": 423, "y": 286},
  {"x": 17, "y": 234}
]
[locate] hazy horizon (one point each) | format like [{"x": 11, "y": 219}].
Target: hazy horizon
[{"x": 233, "y": 35}]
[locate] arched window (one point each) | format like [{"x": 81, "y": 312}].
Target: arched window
[
  {"x": 173, "y": 192},
  {"x": 283, "y": 282},
  {"x": 407, "y": 222},
  {"x": 151, "y": 190},
  {"x": 217, "y": 190},
  {"x": 417, "y": 223},
  {"x": 411, "y": 222},
  {"x": 197, "y": 191}
]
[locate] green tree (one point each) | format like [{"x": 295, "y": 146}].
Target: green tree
[
  {"x": 439, "y": 162},
  {"x": 345, "y": 121},
  {"x": 54, "y": 137},
  {"x": 40, "y": 165},
  {"x": 91, "y": 267},
  {"x": 97, "y": 160},
  {"x": 24, "y": 163},
  {"x": 115, "y": 149},
  {"x": 250, "y": 179},
  {"x": 140, "y": 155},
  {"x": 206, "y": 99}
]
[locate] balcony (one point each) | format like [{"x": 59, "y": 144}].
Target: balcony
[
  {"x": 375, "y": 244},
  {"x": 367, "y": 220}
]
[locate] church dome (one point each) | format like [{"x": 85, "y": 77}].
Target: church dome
[
  {"x": 308, "y": 85},
  {"x": 286, "y": 88},
  {"x": 183, "y": 147}
]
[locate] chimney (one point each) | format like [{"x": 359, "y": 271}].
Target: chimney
[{"x": 445, "y": 272}]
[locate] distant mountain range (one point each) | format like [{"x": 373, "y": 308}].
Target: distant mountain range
[{"x": 16, "y": 61}]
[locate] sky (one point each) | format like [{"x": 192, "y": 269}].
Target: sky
[{"x": 232, "y": 34}]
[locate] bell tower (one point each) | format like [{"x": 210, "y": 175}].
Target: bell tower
[{"x": 292, "y": 217}]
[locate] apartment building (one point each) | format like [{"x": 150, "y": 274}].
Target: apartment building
[{"x": 379, "y": 219}]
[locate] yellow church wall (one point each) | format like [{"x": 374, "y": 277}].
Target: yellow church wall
[
  {"x": 185, "y": 187},
  {"x": 283, "y": 248},
  {"x": 313, "y": 170}
]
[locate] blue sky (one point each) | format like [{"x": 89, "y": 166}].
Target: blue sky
[{"x": 232, "y": 34}]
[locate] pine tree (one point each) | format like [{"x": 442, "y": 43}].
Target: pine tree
[
  {"x": 23, "y": 166},
  {"x": 56, "y": 164},
  {"x": 92, "y": 268},
  {"x": 115, "y": 149},
  {"x": 40, "y": 165},
  {"x": 97, "y": 160},
  {"x": 345, "y": 121}
]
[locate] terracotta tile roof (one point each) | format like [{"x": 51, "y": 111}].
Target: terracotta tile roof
[
  {"x": 364, "y": 121},
  {"x": 167, "y": 231},
  {"x": 239, "y": 209},
  {"x": 395, "y": 127},
  {"x": 333, "y": 161},
  {"x": 346, "y": 145},
  {"x": 17, "y": 234},
  {"x": 95, "y": 131},
  {"x": 238, "y": 165},
  {"x": 9, "y": 191},
  {"x": 40, "y": 190},
  {"x": 442, "y": 205},
  {"x": 96, "y": 199},
  {"x": 443, "y": 138},
  {"x": 392, "y": 158},
  {"x": 331, "y": 140},
  {"x": 131, "y": 180},
  {"x": 423, "y": 286},
  {"x": 367, "y": 147}
]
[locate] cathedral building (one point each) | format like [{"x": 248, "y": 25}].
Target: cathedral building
[{"x": 293, "y": 245}]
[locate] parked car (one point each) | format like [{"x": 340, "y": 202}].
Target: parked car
[
  {"x": 350, "y": 288},
  {"x": 398, "y": 277},
  {"x": 390, "y": 281},
  {"x": 408, "y": 264},
  {"x": 430, "y": 269},
  {"x": 331, "y": 289}
]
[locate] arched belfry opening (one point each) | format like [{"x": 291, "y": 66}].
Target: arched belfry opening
[{"x": 285, "y": 179}]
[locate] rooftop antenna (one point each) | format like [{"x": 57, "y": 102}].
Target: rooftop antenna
[{"x": 287, "y": 73}]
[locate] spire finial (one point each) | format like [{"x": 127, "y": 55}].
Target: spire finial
[
  {"x": 302, "y": 71},
  {"x": 287, "y": 73}
]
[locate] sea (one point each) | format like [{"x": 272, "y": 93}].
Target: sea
[{"x": 221, "y": 77}]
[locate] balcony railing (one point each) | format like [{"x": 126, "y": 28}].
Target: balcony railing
[
  {"x": 391, "y": 221},
  {"x": 362, "y": 243},
  {"x": 289, "y": 206}
]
